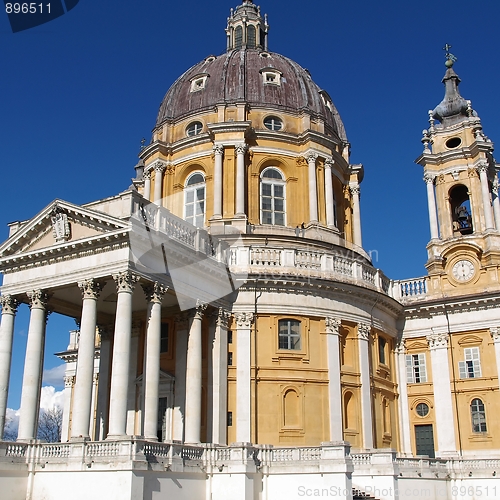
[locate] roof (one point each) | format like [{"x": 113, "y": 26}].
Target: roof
[{"x": 236, "y": 77}]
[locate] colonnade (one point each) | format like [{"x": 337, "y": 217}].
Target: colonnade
[
  {"x": 491, "y": 205},
  {"x": 113, "y": 415},
  {"x": 159, "y": 168}
]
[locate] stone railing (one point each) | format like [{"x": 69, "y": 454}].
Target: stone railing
[
  {"x": 206, "y": 457},
  {"x": 273, "y": 262},
  {"x": 409, "y": 290}
]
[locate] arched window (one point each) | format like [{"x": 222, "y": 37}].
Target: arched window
[
  {"x": 289, "y": 334},
  {"x": 273, "y": 123},
  {"x": 272, "y": 197},
  {"x": 194, "y": 199},
  {"x": 461, "y": 210},
  {"x": 291, "y": 417},
  {"x": 238, "y": 37},
  {"x": 251, "y": 37},
  {"x": 478, "y": 415}
]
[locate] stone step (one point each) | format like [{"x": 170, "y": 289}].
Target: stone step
[{"x": 361, "y": 495}]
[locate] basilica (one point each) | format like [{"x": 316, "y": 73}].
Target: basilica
[{"x": 235, "y": 339}]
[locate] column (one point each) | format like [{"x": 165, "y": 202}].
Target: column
[
  {"x": 85, "y": 364},
  {"x": 496, "y": 203},
  {"x": 219, "y": 378},
  {"x": 132, "y": 414},
  {"x": 218, "y": 151},
  {"x": 147, "y": 184},
  {"x": 485, "y": 191},
  {"x": 495, "y": 335},
  {"x": 151, "y": 379},
  {"x": 125, "y": 282},
  {"x": 404, "y": 421},
  {"x": 69, "y": 381},
  {"x": 181, "y": 346},
  {"x": 445, "y": 421},
  {"x": 356, "y": 215},
  {"x": 159, "y": 167},
  {"x": 33, "y": 366},
  {"x": 366, "y": 400},
  {"x": 243, "y": 376},
  {"x": 103, "y": 384},
  {"x": 313, "y": 192},
  {"x": 9, "y": 307},
  {"x": 330, "y": 199},
  {"x": 193, "y": 377},
  {"x": 240, "y": 179},
  {"x": 334, "y": 386},
  {"x": 431, "y": 204}
]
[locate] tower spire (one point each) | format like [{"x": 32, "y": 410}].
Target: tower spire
[{"x": 246, "y": 28}]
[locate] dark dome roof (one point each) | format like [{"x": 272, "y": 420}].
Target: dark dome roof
[{"x": 235, "y": 77}]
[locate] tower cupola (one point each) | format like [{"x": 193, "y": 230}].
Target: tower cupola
[
  {"x": 246, "y": 28},
  {"x": 453, "y": 108}
]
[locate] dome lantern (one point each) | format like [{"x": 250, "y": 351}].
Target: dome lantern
[{"x": 246, "y": 28}]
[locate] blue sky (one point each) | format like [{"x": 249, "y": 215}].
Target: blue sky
[{"x": 79, "y": 93}]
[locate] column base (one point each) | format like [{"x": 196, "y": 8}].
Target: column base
[
  {"x": 120, "y": 437},
  {"x": 79, "y": 439}
]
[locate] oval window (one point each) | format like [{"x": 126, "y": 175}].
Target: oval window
[
  {"x": 194, "y": 128},
  {"x": 454, "y": 142},
  {"x": 273, "y": 123},
  {"x": 422, "y": 409}
]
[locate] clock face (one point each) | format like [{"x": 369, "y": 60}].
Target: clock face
[{"x": 463, "y": 270}]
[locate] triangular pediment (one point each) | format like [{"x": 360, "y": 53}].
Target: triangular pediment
[{"x": 60, "y": 223}]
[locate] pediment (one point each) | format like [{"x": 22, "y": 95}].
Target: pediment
[
  {"x": 418, "y": 345},
  {"x": 60, "y": 223},
  {"x": 470, "y": 340}
]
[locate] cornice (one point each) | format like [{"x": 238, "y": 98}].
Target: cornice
[
  {"x": 472, "y": 151},
  {"x": 64, "y": 251},
  {"x": 228, "y": 127},
  {"x": 451, "y": 305}
]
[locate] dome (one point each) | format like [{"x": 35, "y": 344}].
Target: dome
[{"x": 237, "y": 76}]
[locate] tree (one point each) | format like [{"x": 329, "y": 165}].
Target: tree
[
  {"x": 50, "y": 424},
  {"x": 9, "y": 433}
]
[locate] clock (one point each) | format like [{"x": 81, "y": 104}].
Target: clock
[{"x": 463, "y": 270}]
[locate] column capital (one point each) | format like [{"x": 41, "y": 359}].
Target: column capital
[
  {"x": 354, "y": 189},
  {"x": 482, "y": 166},
  {"x": 332, "y": 325},
  {"x": 429, "y": 178},
  {"x": 105, "y": 332},
  {"x": 160, "y": 166},
  {"x": 218, "y": 149},
  {"x": 495, "y": 333},
  {"x": 125, "y": 281},
  {"x": 90, "y": 288},
  {"x": 437, "y": 340},
  {"x": 181, "y": 321},
  {"x": 329, "y": 163},
  {"x": 9, "y": 304},
  {"x": 222, "y": 318},
  {"x": 400, "y": 346},
  {"x": 69, "y": 381},
  {"x": 146, "y": 175},
  {"x": 243, "y": 319},
  {"x": 38, "y": 299},
  {"x": 311, "y": 157},
  {"x": 199, "y": 310},
  {"x": 495, "y": 185},
  {"x": 154, "y": 292},
  {"x": 241, "y": 149},
  {"x": 364, "y": 331}
]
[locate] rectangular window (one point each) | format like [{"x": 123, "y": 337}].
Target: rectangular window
[
  {"x": 471, "y": 366},
  {"x": 164, "y": 338},
  {"x": 229, "y": 336},
  {"x": 416, "y": 372},
  {"x": 229, "y": 418},
  {"x": 229, "y": 359},
  {"x": 381, "y": 350},
  {"x": 289, "y": 334}
]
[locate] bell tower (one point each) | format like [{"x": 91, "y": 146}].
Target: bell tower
[{"x": 462, "y": 190}]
